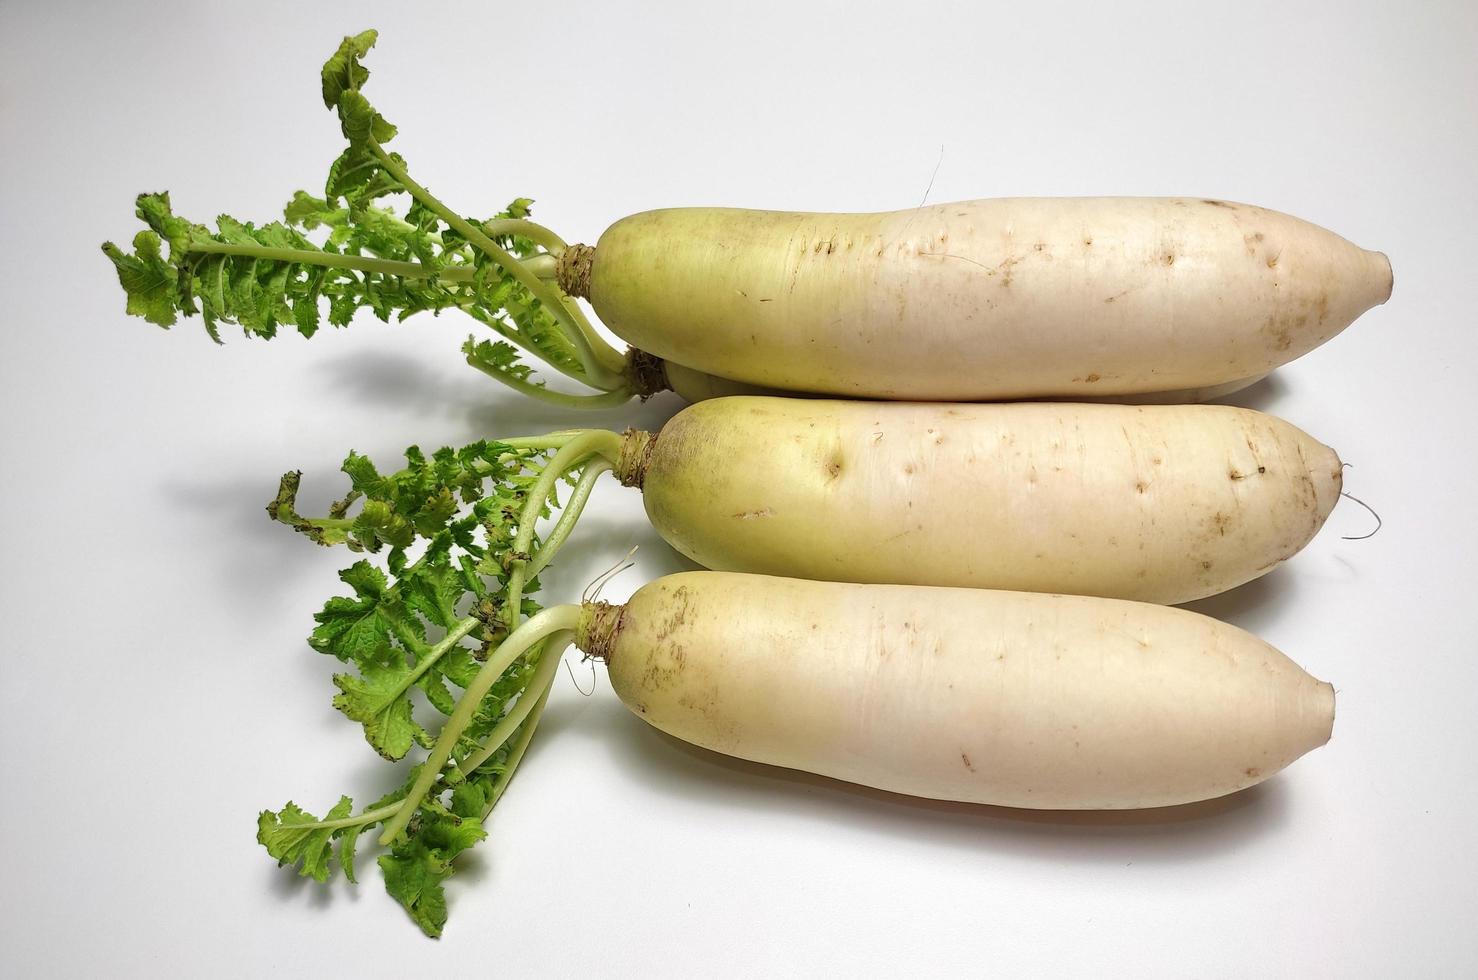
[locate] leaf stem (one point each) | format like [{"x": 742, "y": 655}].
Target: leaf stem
[
  {"x": 524, "y": 228},
  {"x": 555, "y": 620},
  {"x": 336, "y": 260},
  {"x": 538, "y": 686},
  {"x": 603, "y": 362},
  {"x": 367, "y": 817},
  {"x": 595, "y": 441},
  {"x": 516, "y": 751},
  {"x": 468, "y": 305},
  {"x": 606, "y": 399},
  {"x": 553, "y": 440},
  {"x": 568, "y": 515},
  {"x": 541, "y": 265},
  {"x": 442, "y": 647}
]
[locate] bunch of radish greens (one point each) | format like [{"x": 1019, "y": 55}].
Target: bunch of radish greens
[{"x": 921, "y": 587}]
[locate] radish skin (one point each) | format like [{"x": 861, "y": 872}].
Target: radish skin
[
  {"x": 1156, "y": 503},
  {"x": 980, "y": 300},
  {"x": 1022, "y": 700}
]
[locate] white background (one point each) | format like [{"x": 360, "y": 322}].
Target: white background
[{"x": 157, "y": 691}]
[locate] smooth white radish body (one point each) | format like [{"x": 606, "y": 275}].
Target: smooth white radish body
[
  {"x": 988, "y": 299},
  {"x": 1156, "y": 503},
  {"x": 1023, "y": 700},
  {"x": 696, "y": 386}
]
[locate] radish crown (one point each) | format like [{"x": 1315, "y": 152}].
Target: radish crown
[
  {"x": 349, "y": 250},
  {"x": 462, "y": 554}
]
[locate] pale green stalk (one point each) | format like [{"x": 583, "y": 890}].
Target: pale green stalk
[
  {"x": 549, "y": 659},
  {"x": 515, "y": 752},
  {"x": 606, "y": 399},
  {"x": 568, "y": 515},
  {"x": 594, "y": 442},
  {"x": 333, "y": 260},
  {"x": 557, "y": 619},
  {"x": 542, "y": 265},
  {"x": 603, "y": 362},
  {"x": 524, "y": 228}
]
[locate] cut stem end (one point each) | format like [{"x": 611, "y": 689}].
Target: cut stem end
[
  {"x": 635, "y": 455},
  {"x": 572, "y": 271},
  {"x": 600, "y": 625}
]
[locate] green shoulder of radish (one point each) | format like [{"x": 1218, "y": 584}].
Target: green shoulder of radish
[{"x": 1177, "y": 298}]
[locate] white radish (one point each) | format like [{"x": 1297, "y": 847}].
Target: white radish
[
  {"x": 982, "y": 299},
  {"x": 1160, "y": 503},
  {"x": 1023, "y": 700}
]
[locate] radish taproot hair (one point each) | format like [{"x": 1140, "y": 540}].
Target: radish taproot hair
[
  {"x": 1156, "y": 503},
  {"x": 1016, "y": 699},
  {"x": 978, "y": 300}
]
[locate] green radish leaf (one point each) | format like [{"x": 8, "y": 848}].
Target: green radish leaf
[
  {"x": 459, "y": 509},
  {"x": 358, "y": 629},
  {"x": 416, "y": 867},
  {"x": 363, "y": 257},
  {"x": 427, "y": 608},
  {"x": 152, "y": 287},
  {"x": 342, "y": 72},
  {"x": 377, "y": 700},
  {"x": 294, "y": 837}
]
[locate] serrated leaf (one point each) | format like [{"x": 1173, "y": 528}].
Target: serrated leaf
[
  {"x": 151, "y": 286},
  {"x": 156, "y": 212},
  {"x": 436, "y": 692},
  {"x": 358, "y": 629},
  {"x": 417, "y": 866},
  {"x": 348, "y": 848},
  {"x": 471, "y": 798},
  {"x": 309, "y": 212},
  {"x": 342, "y": 71},
  {"x": 359, "y": 120},
  {"x": 377, "y": 700},
  {"x": 293, "y": 836},
  {"x": 363, "y": 477},
  {"x": 434, "y": 592}
]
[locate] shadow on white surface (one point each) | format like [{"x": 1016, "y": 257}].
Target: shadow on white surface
[
  {"x": 1263, "y": 396},
  {"x": 1254, "y": 605},
  {"x": 385, "y": 381},
  {"x": 665, "y": 766},
  {"x": 259, "y": 561},
  {"x": 287, "y": 885}
]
